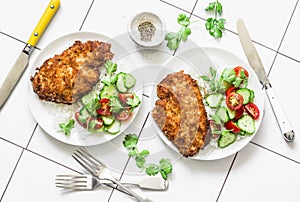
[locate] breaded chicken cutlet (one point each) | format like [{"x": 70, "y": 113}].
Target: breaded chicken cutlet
[
  {"x": 180, "y": 113},
  {"x": 66, "y": 77}
]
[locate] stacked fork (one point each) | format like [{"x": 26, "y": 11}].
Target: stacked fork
[{"x": 99, "y": 171}]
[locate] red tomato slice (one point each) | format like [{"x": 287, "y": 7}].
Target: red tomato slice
[
  {"x": 239, "y": 113},
  {"x": 123, "y": 115},
  {"x": 229, "y": 90},
  {"x": 78, "y": 121},
  {"x": 104, "y": 109},
  {"x": 238, "y": 70},
  {"x": 234, "y": 101},
  {"x": 123, "y": 97},
  {"x": 252, "y": 110},
  {"x": 99, "y": 123},
  {"x": 230, "y": 125}
]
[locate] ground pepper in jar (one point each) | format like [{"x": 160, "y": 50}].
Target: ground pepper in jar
[{"x": 147, "y": 31}]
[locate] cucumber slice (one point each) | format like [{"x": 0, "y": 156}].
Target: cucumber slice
[
  {"x": 114, "y": 127},
  {"x": 247, "y": 124},
  {"x": 129, "y": 81},
  {"x": 108, "y": 92},
  {"x": 121, "y": 83},
  {"x": 134, "y": 102},
  {"x": 226, "y": 139},
  {"x": 214, "y": 100},
  {"x": 231, "y": 113},
  {"x": 223, "y": 114},
  {"x": 89, "y": 98},
  {"x": 108, "y": 120},
  {"x": 246, "y": 94}
]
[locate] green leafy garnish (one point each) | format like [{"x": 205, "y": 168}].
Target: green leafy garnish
[
  {"x": 110, "y": 67},
  {"x": 115, "y": 105},
  {"x": 67, "y": 127},
  {"x": 227, "y": 78},
  {"x": 214, "y": 25},
  {"x": 173, "y": 38},
  {"x": 164, "y": 168}
]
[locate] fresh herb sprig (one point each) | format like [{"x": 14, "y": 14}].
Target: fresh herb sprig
[
  {"x": 173, "y": 38},
  {"x": 228, "y": 77},
  {"x": 67, "y": 126},
  {"x": 214, "y": 25},
  {"x": 164, "y": 167}
]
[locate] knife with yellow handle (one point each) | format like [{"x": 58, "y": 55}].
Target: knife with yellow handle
[
  {"x": 256, "y": 64},
  {"x": 21, "y": 63}
]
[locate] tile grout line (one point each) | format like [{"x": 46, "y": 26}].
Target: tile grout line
[
  {"x": 36, "y": 125},
  {"x": 12, "y": 174},
  {"x": 140, "y": 132},
  {"x": 286, "y": 29},
  {"x": 274, "y": 152},
  {"x": 174, "y": 6},
  {"x": 86, "y": 15},
  {"x": 230, "y": 168}
]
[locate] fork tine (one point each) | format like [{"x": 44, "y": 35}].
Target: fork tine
[
  {"x": 83, "y": 163},
  {"x": 79, "y": 182},
  {"x": 85, "y": 154}
]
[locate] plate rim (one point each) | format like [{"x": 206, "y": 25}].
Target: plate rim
[
  {"x": 42, "y": 56},
  {"x": 209, "y": 157}
]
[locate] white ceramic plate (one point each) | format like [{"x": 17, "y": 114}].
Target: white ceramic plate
[
  {"x": 49, "y": 115},
  {"x": 196, "y": 63}
]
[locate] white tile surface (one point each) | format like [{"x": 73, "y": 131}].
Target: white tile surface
[
  {"x": 230, "y": 41},
  {"x": 68, "y": 18},
  {"x": 188, "y": 178},
  {"x": 14, "y": 153},
  {"x": 185, "y": 5},
  {"x": 14, "y": 128},
  {"x": 273, "y": 178},
  {"x": 97, "y": 19},
  {"x": 291, "y": 37},
  {"x": 257, "y": 173},
  {"x": 36, "y": 173},
  {"x": 270, "y": 137},
  {"x": 262, "y": 18}
]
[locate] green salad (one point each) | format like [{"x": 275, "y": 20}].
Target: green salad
[
  {"x": 105, "y": 111},
  {"x": 234, "y": 111}
]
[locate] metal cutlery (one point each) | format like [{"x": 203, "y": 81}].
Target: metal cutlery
[
  {"x": 255, "y": 62},
  {"x": 99, "y": 170},
  {"x": 21, "y": 62},
  {"x": 89, "y": 182}
]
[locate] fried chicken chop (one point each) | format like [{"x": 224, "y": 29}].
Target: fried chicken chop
[
  {"x": 180, "y": 114},
  {"x": 66, "y": 77}
]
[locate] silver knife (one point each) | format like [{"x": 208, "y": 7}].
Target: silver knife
[
  {"x": 21, "y": 63},
  {"x": 255, "y": 62}
]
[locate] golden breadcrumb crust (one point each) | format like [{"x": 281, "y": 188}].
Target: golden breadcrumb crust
[
  {"x": 180, "y": 113},
  {"x": 66, "y": 77}
]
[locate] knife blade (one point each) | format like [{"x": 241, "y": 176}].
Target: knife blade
[
  {"x": 14, "y": 74},
  {"x": 255, "y": 62}
]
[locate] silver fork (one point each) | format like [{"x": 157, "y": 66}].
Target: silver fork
[
  {"x": 89, "y": 182},
  {"x": 77, "y": 182},
  {"x": 99, "y": 170}
]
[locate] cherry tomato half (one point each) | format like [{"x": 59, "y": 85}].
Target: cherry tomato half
[
  {"x": 99, "y": 123},
  {"x": 229, "y": 90},
  {"x": 239, "y": 113},
  {"x": 81, "y": 123},
  {"x": 230, "y": 125},
  {"x": 238, "y": 70},
  {"x": 124, "y": 96},
  {"x": 123, "y": 115},
  {"x": 234, "y": 101},
  {"x": 104, "y": 109},
  {"x": 252, "y": 110}
]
